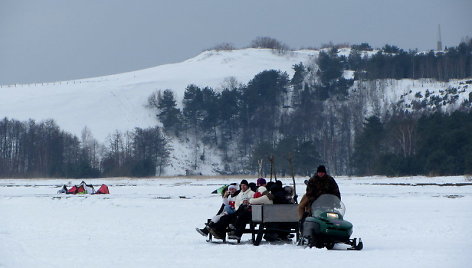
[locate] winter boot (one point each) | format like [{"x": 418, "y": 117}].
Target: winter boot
[
  {"x": 203, "y": 231},
  {"x": 216, "y": 234},
  {"x": 234, "y": 235}
]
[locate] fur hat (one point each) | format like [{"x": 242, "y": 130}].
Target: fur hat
[
  {"x": 321, "y": 169},
  {"x": 288, "y": 190}
]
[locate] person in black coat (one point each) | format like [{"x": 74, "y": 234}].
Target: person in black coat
[{"x": 321, "y": 183}]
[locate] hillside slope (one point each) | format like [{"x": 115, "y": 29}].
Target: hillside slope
[{"x": 117, "y": 102}]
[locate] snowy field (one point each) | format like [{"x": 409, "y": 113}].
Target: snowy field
[{"x": 404, "y": 222}]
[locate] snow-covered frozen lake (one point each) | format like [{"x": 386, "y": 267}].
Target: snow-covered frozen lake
[{"x": 404, "y": 222}]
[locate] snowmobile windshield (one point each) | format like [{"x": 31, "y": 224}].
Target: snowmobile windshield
[{"x": 327, "y": 203}]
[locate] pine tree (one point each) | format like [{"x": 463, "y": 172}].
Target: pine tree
[
  {"x": 368, "y": 146},
  {"x": 169, "y": 114},
  {"x": 330, "y": 67},
  {"x": 297, "y": 82}
]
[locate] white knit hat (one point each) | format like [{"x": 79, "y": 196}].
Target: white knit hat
[
  {"x": 261, "y": 189},
  {"x": 232, "y": 187}
]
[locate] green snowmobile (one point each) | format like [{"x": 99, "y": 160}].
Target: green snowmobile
[{"x": 326, "y": 226}]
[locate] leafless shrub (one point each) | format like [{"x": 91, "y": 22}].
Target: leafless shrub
[
  {"x": 338, "y": 46},
  {"x": 269, "y": 42},
  {"x": 223, "y": 47},
  {"x": 309, "y": 48}
]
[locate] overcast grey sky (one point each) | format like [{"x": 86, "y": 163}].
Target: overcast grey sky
[{"x": 51, "y": 40}]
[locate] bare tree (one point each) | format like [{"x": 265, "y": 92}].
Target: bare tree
[{"x": 269, "y": 42}]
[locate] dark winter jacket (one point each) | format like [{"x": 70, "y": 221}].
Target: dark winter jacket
[
  {"x": 277, "y": 193},
  {"x": 324, "y": 185},
  {"x": 316, "y": 187}
]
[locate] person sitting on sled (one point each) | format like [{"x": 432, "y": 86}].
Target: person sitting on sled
[
  {"x": 261, "y": 197},
  {"x": 227, "y": 208},
  {"x": 321, "y": 183},
  {"x": 218, "y": 229}
]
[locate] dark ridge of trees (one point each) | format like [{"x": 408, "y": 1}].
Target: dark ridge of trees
[
  {"x": 437, "y": 144},
  {"x": 247, "y": 120},
  {"x": 31, "y": 149},
  {"x": 393, "y": 62},
  {"x": 362, "y": 47}
]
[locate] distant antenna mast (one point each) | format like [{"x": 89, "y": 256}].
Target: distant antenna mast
[{"x": 439, "y": 47}]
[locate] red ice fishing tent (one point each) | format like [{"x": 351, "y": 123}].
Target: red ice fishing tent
[
  {"x": 103, "y": 190},
  {"x": 74, "y": 190},
  {"x": 82, "y": 188}
]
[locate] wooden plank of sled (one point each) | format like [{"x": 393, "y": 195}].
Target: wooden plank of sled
[
  {"x": 279, "y": 213},
  {"x": 274, "y": 213}
]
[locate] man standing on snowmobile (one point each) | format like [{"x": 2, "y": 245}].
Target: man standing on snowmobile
[{"x": 321, "y": 183}]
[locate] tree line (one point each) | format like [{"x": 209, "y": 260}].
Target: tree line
[
  {"x": 32, "y": 149},
  {"x": 396, "y": 63},
  {"x": 272, "y": 115},
  {"x": 309, "y": 115},
  {"x": 435, "y": 144}
]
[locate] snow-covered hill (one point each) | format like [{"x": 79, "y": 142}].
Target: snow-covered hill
[{"x": 117, "y": 102}]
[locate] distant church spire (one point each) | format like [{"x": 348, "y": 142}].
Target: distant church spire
[{"x": 439, "y": 46}]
